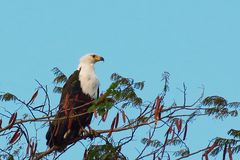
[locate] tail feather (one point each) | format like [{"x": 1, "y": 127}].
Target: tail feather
[
  {"x": 59, "y": 135},
  {"x": 55, "y": 135}
]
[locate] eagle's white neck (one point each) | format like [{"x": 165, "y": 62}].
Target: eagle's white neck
[{"x": 88, "y": 79}]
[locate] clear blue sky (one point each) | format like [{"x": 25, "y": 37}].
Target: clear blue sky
[{"x": 196, "y": 41}]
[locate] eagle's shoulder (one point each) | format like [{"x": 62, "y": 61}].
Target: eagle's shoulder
[{"x": 73, "y": 79}]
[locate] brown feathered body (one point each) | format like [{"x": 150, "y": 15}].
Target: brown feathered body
[{"x": 78, "y": 93}]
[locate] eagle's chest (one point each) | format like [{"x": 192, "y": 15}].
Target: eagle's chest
[{"x": 89, "y": 83}]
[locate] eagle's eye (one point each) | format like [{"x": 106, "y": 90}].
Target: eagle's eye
[{"x": 93, "y": 55}]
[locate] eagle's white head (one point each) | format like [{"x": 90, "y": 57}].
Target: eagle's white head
[
  {"x": 90, "y": 59},
  {"x": 87, "y": 75}
]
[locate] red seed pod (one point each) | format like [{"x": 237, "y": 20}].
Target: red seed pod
[
  {"x": 27, "y": 149},
  {"x": 35, "y": 148},
  {"x": 168, "y": 132},
  {"x": 156, "y": 114},
  {"x": 117, "y": 119},
  {"x": 166, "y": 140},
  {"x": 178, "y": 123},
  {"x": 15, "y": 136},
  {"x": 185, "y": 131},
  {"x": 212, "y": 147},
  {"x": 225, "y": 151},
  {"x": 170, "y": 129},
  {"x": 34, "y": 96},
  {"x": 104, "y": 117},
  {"x": 123, "y": 116},
  {"x": 173, "y": 133},
  {"x": 230, "y": 152},
  {"x": 157, "y": 108},
  {"x": 32, "y": 149},
  {"x": 112, "y": 127},
  {"x": 12, "y": 120},
  {"x": 206, "y": 156},
  {"x": 158, "y": 101},
  {"x": 160, "y": 112}
]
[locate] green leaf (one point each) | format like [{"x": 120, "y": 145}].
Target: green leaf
[
  {"x": 234, "y": 133},
  {"x": 10, "y": 157},
  {"x": 57, "y": 89},
  {"x": 106, "y": 151},
  {"x": 115, "y": 77},
  {"x": 139, "y": 85},
  {"x": 8, "y": 97},
  {"x": 236, "y": 149},
  {"x": 152, "y": 143},
  {"x": 221, "y": 112},
  {"x": 92, "y": 108},
  {"x": 216, "y": 151},
  {"x": 165, "y": 78},
  {"x": 60, "y": 77},
  {"x": 214, "y": 101},
  {"x": 234, "y": 105},
  {"x": 182, "y": 152}
]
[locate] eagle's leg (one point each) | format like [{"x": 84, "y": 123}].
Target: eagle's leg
[
  {"x": 83, "y": 132},
  {"x": 92, "y": 133}
]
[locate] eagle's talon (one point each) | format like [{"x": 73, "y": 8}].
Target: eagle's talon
[
  {"x": 93, "y": 133},
  {"x": 82, "y": 132},
  {"x": 67, "y": 134}
]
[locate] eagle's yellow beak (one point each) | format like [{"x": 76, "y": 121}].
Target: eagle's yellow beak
[{"x": 98, "y": 58}]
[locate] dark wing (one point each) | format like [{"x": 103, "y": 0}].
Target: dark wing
[{"x": 75, "y": 103}]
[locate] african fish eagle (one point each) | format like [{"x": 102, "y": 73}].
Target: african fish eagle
[{"x": 81, "y": 88}]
